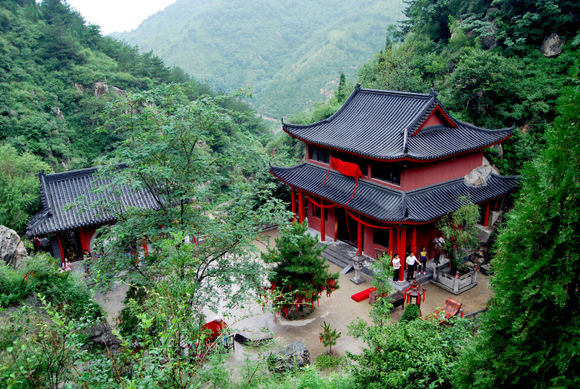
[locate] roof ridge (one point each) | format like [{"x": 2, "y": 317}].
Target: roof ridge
[
  {"x": 484, "y": 129},
  {"x": 422, "y": 189},
  {"x": 394, "y": 92},
  {"x": 70, "y": 173},
  {"x": 331, "y": 117}
]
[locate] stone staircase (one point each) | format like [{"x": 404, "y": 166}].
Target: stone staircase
[{"x": 341, "y": 255}]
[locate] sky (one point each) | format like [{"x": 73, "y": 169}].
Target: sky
[{"x": 117, "y": 15}]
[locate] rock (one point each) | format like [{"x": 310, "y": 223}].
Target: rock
[
  {"x": 478, "y": 176},
  {"x": 100, "y": 334},
  {"x": 58, "y": 113},
  {"x": 488, "y": 42},
  {"x": 118, "y": 91},
  {"x": 494, "y": 217},
  {"x": 248, "y": 339},
  {"x": 552, "y": 45},
  {"x": 483, "y": 233},
  {"x": 12, "y": 249},
  {"x": 100, "y": 89},
  {"x": 294, "y": 356},
  {"x": 79, "y": 87}
]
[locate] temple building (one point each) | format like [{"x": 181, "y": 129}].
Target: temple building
[
  {"x": 383, "y": 169},
  {"x": 75, "y": 204}
]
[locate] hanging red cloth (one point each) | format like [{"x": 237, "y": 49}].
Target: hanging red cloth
[{"x": 348, "y": 169}]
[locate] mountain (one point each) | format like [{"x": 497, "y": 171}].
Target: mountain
[{"x": 289, "y": 53}]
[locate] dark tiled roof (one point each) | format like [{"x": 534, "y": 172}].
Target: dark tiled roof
[
  {"x": 380, "y": 124},
  {"x": 71, "y": 200},
  {"x": 390, "y": 205}
]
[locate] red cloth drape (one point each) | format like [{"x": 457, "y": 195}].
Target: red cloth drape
[{"x": 348, "y": 169}]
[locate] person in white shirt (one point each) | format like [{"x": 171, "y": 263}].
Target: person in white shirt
[
  {"x": 396, "y": 266},
  {"x": 411, "y": 261}
]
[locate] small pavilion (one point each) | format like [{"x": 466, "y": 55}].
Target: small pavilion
[
  {"x": 380, "y": 172},
  {"x": 75, "y": 204}
]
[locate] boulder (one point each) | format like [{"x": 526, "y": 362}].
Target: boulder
[
  {"x": 483, "y": 233},
  {"x": 100, "y": 89},
  {"x": 488, "y": 42},
  {"x": 12, "y": 249},
  {"x": 294, "y": 356},
  {"x": 250, "y": 339},
  {"x": 478, "y": 176},
  {"x": 552, "y": 45},
  {"x": 100, "y": 334}
]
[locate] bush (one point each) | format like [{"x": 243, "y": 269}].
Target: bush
[{"x": 412, "y": 312}]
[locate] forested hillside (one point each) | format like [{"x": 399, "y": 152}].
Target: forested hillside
[
  {"x": 485, "y": 59},
  {"x": 289, "y": 53},
  {"x": 57, "y": 77}
]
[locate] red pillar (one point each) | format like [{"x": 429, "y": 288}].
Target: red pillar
[
  {"x": 359, "y": 238},
  {"x": 300, "y": 207},
  {"x": 414, "y": 240},
  {"x": 60, "y": 247},
  {"x": 486, "y": 217},
  {"x": 402, "y": 253},
  {"x": 322, "y": 223},
  {"x": 293, "y": 205},
  {"x": 391, "y": 248}
]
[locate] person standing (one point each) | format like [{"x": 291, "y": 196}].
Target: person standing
[
  {"x": 396, "y": 267},
  {"x": 411, "y": 261},
  {"x": 423, "y": 259},
  {"x": 439, "y": 242}
]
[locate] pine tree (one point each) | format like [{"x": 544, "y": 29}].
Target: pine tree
[
  {"x": 301, "y": 273},
  {"x": 531, "y": 337}
]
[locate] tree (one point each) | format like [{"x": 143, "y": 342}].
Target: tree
[
  {"x": 460, "y": 232},
  {"x": 329, "y": 336},
  {"x": 382, "y": 276},
  {"x": 530, "y": 337},
  {"x": 300, "y": 273},
  {"x": 200, "y": 236},
  {"x": 413, "y": 354},
  {"x": 19, "y": 195}
]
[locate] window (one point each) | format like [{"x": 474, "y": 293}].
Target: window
[
  {"x": 381, "y": 237},
  {"x": 389, "y": 172},
  {"x": 318, "y": 154}
]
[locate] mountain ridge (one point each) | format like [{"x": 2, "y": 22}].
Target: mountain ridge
[{"x": 290, "y": 54}]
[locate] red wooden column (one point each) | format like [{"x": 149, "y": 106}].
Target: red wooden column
[
  {"x": 293, "y": 205},
  {"x": 414, "y": 240},
  {"x": 486, "y": 217},
  {"x": 300, "y": 207},
  {"x": 359, "y": 238},
  {"x": 391, "y": 248},
  {"x": 322, "y": 223},
  {"x": 60, "y": 247},
  {"x": 402, "y": 246}
]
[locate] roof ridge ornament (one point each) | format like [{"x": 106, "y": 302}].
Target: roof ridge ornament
[{"x": 433, "y": 92}]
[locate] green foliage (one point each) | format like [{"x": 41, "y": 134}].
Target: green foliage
[
  {"x": 382, "y": 276},
  {"x": 290, "y": 53},
  {"x": 300, "y": 271},
  {"x": 19, "y": 195},
  {"x": 41, "y": 274},
  {"x": 459, "y": 232},
  {"x": 331, "y": 362},
  {"x": 412, "y": 312},
  {"x": 50, "y": 64},
  {"x": 414, "y": 354},
  {"x": 328, "y": 336},
  {"x": 530, "y": 336}
]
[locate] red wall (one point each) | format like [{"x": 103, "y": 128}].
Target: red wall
[
  {"x": 314, "y": 222},
  {"x": 85, "y": 235},
  {"x": 419, "y": 175}
]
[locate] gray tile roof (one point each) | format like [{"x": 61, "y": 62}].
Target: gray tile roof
[
  {"x": 390, "y": 205},
  {"x": 380, "y": 124},
  {"x": 72, "y": 199}
]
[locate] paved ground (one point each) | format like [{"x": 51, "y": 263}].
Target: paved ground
[{"x": 338, "y": 310}]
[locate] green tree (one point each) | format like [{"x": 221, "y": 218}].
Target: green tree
[
  {"x": 300, "y": 273},
  {"x": 329, "y": 336},
  {"x": 459, "y": 232},
  {"x": 413, "y": 354},
  {"x": 530, "y": 337},
  {"x": 19, "y": 195}
]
